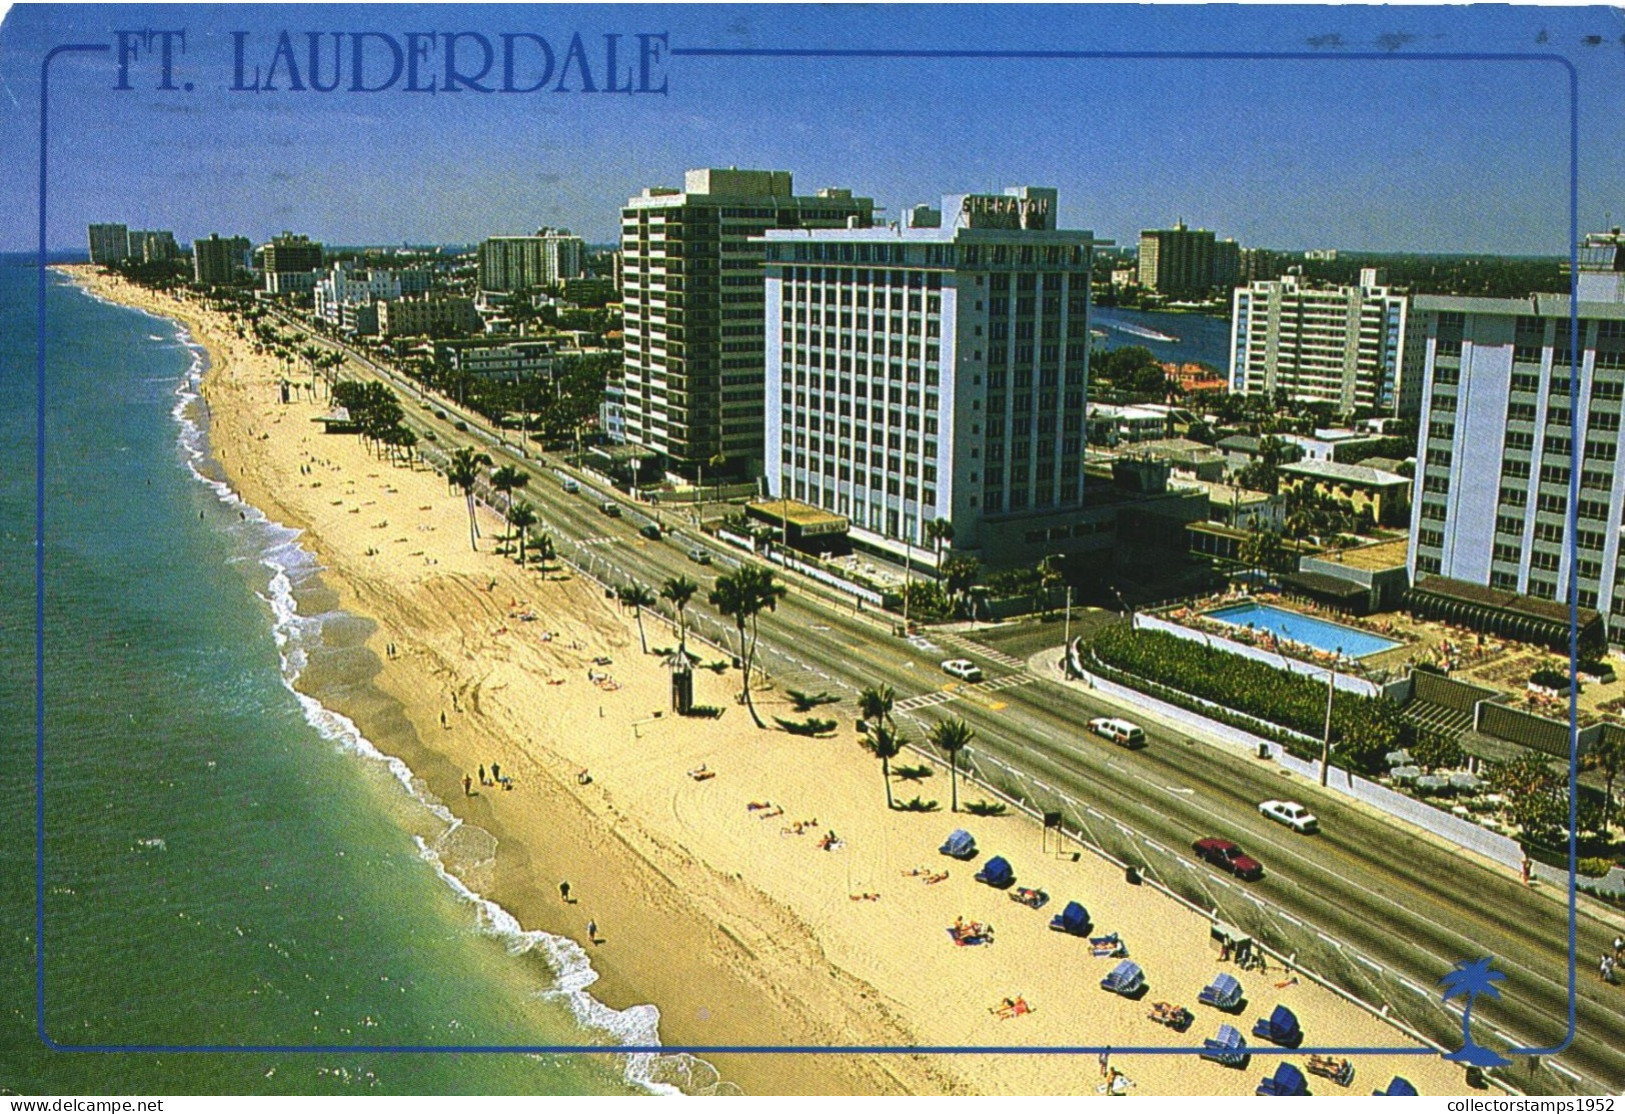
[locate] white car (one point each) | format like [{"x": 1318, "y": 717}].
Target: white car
[
  {"x": 963, "y": 669},
  {"x": 1119, "y": 731},
  {"x": 1292, "y": 814}
]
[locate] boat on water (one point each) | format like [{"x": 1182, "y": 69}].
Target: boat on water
[{"x": 1141, "y": 331}]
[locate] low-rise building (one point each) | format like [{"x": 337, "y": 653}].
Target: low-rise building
[
  {"x": 511, "y": 360},
  {"x": 1384, "y": 495},
  {"x": 427, "y": 314},
  {"x": 1118, "y": 425}
]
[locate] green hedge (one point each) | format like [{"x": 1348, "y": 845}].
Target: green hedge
[{"x": 1363, "y": 729}]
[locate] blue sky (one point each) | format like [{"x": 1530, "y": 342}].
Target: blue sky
[{"x": 1389, "y": 154}]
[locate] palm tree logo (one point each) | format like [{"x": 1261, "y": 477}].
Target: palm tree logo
[{"x": 1469, "y": 979}]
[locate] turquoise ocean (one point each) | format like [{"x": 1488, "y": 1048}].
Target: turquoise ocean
[{"x": 228, "y": 862}]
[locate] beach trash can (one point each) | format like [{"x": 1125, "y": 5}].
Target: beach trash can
[
  {"x": 682, "y": 691},
  {"x": 1131, "y": 874}
]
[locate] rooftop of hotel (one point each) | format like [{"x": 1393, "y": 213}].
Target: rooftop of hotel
[
  {"x": 1381, "y": 555},
  {"x": 1344, "y": 473}
]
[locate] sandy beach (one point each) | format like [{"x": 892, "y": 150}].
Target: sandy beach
[{"x": 734, "y": 921}]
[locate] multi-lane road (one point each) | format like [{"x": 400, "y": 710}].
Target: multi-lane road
[{"x": 1379, "y": 908}]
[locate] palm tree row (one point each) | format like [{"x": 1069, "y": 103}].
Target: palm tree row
[{"x": 743, "y": 595}]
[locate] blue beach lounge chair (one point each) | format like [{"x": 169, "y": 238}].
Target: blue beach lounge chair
[
  {"x": 1287, "y": 1081},
  {"x": 1073, "y": 920},
  {"x": 1227, "y": 1048},
  {"x": 1223, "y": 993},
  {"x": 1125, "y": 979},
  {"x": 961, "y": 845},
  {"x": 1280, "y": 1027},
  {"x": 997, "y": 873}
]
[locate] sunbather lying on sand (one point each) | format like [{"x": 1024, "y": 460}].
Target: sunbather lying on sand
[
  {"x": 933, "y": 879},
  {"x": 1010, "y": 1007},
  {"x": 756, "y": 806},
  {"x": 701, "y": 773},
  {"x": 770, "y": 813},
  {"x": 864, "y": 897}
]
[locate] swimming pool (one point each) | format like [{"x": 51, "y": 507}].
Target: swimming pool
[{"x": 1303, "y": 628}]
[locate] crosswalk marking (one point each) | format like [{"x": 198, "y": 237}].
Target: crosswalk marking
[{"x": 971, "y": 692}]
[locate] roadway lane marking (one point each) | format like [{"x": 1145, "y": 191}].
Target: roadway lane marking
[
  {"x": 1377, "y": 967},
  {"x": 1183, "y": 791},
  {"x": 1327, "y": 939}
]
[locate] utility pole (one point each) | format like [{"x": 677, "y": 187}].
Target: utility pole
[
  {"x": 1326, "y": 742},
  {"x": 908, "y": 565},
  {"x": 1066, "y": 638}
]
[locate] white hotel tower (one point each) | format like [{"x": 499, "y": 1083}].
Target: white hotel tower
[{"x": 935, "y": 371}]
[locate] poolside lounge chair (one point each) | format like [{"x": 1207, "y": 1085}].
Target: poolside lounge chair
[
  {"x": 1287, "y": 1081},
  {"x": 1280, "y": 1027},
  {"x": 960, "y": 845},
  {"x": 1397, "y": 1086},
  {"x": 1227, "y": 1048},
  {"x": 997, "y": 873},
  {"x": 1073, "y": 920},
  {"x": 1126, "y": 979},
  {"x": 1223, "y": 993}
]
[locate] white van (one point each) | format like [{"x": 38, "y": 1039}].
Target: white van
[{"x": 1119, "y": 731}]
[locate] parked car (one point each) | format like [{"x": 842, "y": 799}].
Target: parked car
[
  {"x": 699, "y": 556},
  {"x": 1292, "y": 814},
  {"x": 650, "y": 531},
  {"x": 571, "y": 487},
  {"x": 963, "y": 669},
  {"x": 1227, "y": 856},
  {"x": 1119, "y": 731},
  {"x": 610, "y": 508}
]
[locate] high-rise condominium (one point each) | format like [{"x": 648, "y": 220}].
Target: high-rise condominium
[{"x": 694, "y": 359}]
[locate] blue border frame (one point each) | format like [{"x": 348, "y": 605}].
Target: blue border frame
[{"x": 768, "y": 52}]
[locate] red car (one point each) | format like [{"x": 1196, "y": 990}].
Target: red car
[{"x": 1227, "y": 856}]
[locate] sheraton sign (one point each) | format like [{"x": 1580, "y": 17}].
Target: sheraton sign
[{"x": 1004, "y": 211}]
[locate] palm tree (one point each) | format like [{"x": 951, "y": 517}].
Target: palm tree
[
  {"x": 508, "y": 480},
  {"x": 952, "y": 736},
  {"x": 938, "y": 531},
  {"x": 875, "y": 704},
  {"x": 463, "y": 472},
  {"x": 679, "y": 590},
  {"x": 637, "y": 597},
  {"x": 743, "y": 595},
  {"x": 522, "y": 516},
  {"x": 1608, "y": 755},
  {"x": 1468, "y": 979},
  {"x": 885, "y": 743}
]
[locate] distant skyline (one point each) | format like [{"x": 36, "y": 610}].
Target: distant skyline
[{"x": 1389, "y": 155}]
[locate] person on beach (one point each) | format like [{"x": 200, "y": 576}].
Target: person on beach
[
  {"x": 468, "y": 786},
  {"x": 443, "y": 722},
  {"x": 482, "y": 776},
  {"x": 592, "y": 931},
  {"x": 496, "y": 772},
  {"x": 564, "y": 891}
]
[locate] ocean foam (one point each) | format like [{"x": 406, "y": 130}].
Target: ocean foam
[{"x": 279, "y": 552}]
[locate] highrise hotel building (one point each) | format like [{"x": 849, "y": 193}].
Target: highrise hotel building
[
  {"x": 1346, "y": 345},
  {"x": 1498, "y": 439},
  {"x": 692, "y": 296},
  {"x": 934, "y": 371}
]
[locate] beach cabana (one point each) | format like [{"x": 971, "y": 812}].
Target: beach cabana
[
  {"x": 1287, "y": 1081},
  {"x": 1223, "y": 993},
  {"x": 997, "y": 873},
  {"x": 1227, "y": 1048},
  {"x": 1073, "y": 920},
  {"x": 1398, "y": 1086},
  {"x": 960, "y": 845},
  {"x": 1280, "y": 1027},
  {"x": 1126, "y": 979}
]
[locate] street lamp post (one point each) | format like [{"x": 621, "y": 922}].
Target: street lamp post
[
  {"x": 1326, "y": 741},
  {"x": 1066, "y": 636}
]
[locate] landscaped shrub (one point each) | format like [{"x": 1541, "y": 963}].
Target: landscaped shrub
[
  {"x": 1363, "y": 728},
  {"x": 1594, "y": 867}
]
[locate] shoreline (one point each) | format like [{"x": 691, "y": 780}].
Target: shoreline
[{"x": 715, "y": 917}]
